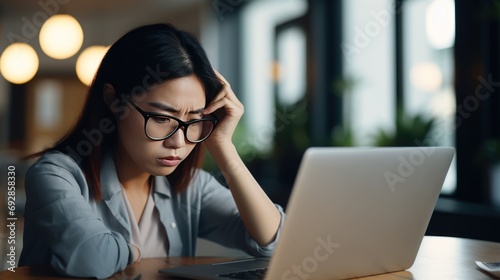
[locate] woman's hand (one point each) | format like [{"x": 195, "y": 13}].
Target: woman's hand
[
  {"x": 260, "y": 216},
  {"x": 228, "y": 109}
]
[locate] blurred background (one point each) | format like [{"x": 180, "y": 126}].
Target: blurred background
[{"x": 309, "y": 72}]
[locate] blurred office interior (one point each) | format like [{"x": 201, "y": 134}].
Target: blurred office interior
[{"x": 309, "y": 72}]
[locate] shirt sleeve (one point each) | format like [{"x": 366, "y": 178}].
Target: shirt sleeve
[
  {"x": 220, "y": 220},
  {"x": 58, "y": 211}
]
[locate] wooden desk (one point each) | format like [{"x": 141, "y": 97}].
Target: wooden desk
[{"x": 438, "y": 258}]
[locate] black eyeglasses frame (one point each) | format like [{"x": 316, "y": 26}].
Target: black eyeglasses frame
[{"x": 182, "y": 124}]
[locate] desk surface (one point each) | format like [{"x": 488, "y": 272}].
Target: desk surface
[{"x": 438, "y": 258}]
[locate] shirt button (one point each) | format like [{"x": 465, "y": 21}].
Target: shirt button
[{"x": 173, "y": 225}]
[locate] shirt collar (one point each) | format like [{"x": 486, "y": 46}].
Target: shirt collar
[
  {"x": 162, "y": 186},
  {"x": 110, "y": 185}
]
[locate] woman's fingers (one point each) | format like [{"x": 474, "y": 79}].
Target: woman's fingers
[
  {"x": 227, "y": 87},
  {"x": 225, "y": 103}
]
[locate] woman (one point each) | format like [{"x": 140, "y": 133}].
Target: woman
[{"x": 125, "y": 183}]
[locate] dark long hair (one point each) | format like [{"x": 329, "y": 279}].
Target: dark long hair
[{"x": 141, "y": 58}]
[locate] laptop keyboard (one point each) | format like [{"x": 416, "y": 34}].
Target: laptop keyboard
[{"x": 254, "y": 274}]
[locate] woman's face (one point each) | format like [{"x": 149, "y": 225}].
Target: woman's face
[{"x": 183, "y": 98}]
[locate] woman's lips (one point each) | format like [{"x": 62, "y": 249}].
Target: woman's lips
[{"x": 170, "y": 161}]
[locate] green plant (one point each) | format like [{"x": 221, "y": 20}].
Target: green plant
[
  {"x": 343, "y": 137},
  {"x": 408, "y": 130}
]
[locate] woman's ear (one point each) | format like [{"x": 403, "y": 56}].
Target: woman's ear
[
  {"x": 118, "y": 107},
  {"x": 108, "y": 94}
]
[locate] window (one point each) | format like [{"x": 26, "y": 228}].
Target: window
[
  {"x": 368, "y": 51},
  {"x": 428, "y": 69},
  {"x": 370, "y": 57}
]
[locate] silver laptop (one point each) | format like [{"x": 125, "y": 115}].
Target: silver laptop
[{"x": 353, "y": 212}]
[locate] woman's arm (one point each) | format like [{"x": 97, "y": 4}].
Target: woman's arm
[
  {"x": 259, "y": 214},
  {"x": 60, "y": 219}
]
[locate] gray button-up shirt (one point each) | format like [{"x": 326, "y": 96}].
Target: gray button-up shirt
[{"x": 65, "y": 227}]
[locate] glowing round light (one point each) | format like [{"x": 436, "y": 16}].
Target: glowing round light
[
  {"x": 443, "y": 103},
  {"x": 88, "y": 62},
  {"x": 19, "y": 63},
  {"x": 426, "y": 76},
  {"x": 440, "y": 23},
  {"x": 61, "y": 36}
]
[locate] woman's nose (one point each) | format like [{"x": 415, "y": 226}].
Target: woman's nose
[{"x": 176, "y": 141}]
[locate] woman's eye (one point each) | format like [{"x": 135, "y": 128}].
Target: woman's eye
[
  {"x": 161, "y": 119},
  {"x": 196, "y": 123}
]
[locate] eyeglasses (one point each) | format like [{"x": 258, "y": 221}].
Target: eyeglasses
[{"x": 160, "y": 127}]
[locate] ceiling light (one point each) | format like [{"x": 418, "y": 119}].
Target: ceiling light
[
  {"x": 19, "y": 63},
  {"x": 426, "y": 76},
  {"x": 61, "y": 36},
  {"x": 88, "y": 62}
]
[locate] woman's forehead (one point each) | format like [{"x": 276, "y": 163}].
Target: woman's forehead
[{"x": 184, "y": 91}]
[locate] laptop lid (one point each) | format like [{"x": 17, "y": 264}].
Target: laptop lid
[
  {"x": 353, "y": 212},
  {"x": 359, "y": 211}
]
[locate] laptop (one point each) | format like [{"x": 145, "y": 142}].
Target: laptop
[{"x": 353, "y": 212}]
